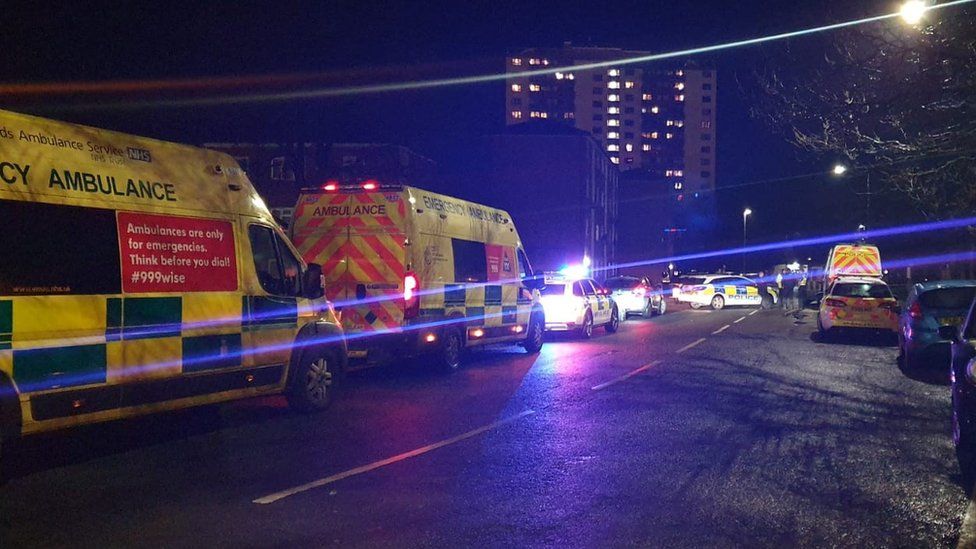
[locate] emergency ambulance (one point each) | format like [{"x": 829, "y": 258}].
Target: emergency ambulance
[
  {"x": 412, "y": 272},
  {"x": 852, "y": 260},
  {"x": 140, "y": 276}
]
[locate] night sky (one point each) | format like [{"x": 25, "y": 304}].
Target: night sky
[{"x": 362, "y": 41}]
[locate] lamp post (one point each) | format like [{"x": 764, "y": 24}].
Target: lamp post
[{"x": 745, "y": 215}]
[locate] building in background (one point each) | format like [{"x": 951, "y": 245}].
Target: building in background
[
  {"x": 655, "y": 121},
  {"x": 555, "y": 181},
  {"x": 280, "y": 170}
]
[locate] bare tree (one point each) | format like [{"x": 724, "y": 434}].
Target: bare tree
[{"x": 892, "y": 100}]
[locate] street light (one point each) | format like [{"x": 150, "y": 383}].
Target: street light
[
  {"x": 745, "y": 214},
  {"x": 913, "y": 11},
  {"x": 839, "y": 170}
]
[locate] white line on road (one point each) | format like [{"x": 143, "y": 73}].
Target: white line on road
[
  {"x": 738, "y": 321},
  {"x": 630, "y": 374},
  {"x": 722, "y": 329},
  {"x": 754, "y": 312},
  {"x": 388, "y": 461},
  {"x": 689, "y": 346}
]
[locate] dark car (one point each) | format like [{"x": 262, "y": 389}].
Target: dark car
[
  {"x": 963, "y": 379},
  {"x": 930, "y": 305}
]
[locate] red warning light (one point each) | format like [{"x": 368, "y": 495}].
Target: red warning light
[
  {"x": 330, "y": 186},
  {"x": 370, "y": 185}
]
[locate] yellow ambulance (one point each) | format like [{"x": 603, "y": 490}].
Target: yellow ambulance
[
  {"x": 138, "y": 276},
  {"x": 414, "y": 272}
]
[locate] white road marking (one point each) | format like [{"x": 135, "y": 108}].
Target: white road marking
[
  {"x": 754, "y": 312},
  {"x": 722, "y": 329},
  {"x": 689, "y": 346},
  {"x": 277, "y": 496},
  {"x": 738, "y": 321},
  {"x": 628, "y": 375}
]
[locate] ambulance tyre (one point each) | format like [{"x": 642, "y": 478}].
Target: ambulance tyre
[
  {"x": 614, "y": 323},
  {"x": 718, "y": 303},
  {"x": 534, "y": 333},
  {"x": 452, "y": 346},
  {"x": 586, "y": 330},
  {"x": 9, "y": 422},
  {"x": 312, "y": 383}
]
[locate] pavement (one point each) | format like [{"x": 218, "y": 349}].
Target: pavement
[{"x": 697, "y": 428}]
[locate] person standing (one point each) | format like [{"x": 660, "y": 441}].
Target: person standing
[
  {"x": 788, "y": 290},
  {"x": 801, "y": 290},
  {"x": 779, "y": 289}
]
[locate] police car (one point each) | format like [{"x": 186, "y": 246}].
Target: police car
[
  {"x": 720, "y": 291},
  {"x": 636, "y": 296},
  {"x": 578, "y": 304}
]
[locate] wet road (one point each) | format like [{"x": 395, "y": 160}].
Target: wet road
[{"x": 696, "y": 428}]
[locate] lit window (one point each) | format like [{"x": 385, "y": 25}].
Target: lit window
[
  {"x": 569, "y": 115},
  {"x": 535, "y": 114},
  {"x": 653, "y": 135},
  {"x": 613, "y": 85},
  {"x": 646, "y": 147},
  {"x": 613, "y": 122},
  {"x": 643, "y": 110},
  {"x": 516, "y": 62},
  {"x": 646, "y": 97},
  {"x": 679, "y": 97},
  {"x": 678, "y": 186},
  {"x": 613, "y": 135},
  {"x": 646, "y": 135},
  {"x": 516, "y": 114},
  {"x": 668, "y": 135},
  {"x": 613, "y": 110},
  {"x": 628, "y": 84},
  {"x": 543, "y": 115},
  {"x": 570, "y": 76},
  {"x": 629, "y": 147},
  {"x": 655, "y": 110},
  {"x": 560, "y": 76},
  {"x": 706, "y": 124},
  {"x": 613, "y": 97},
  {"x": 545, "y": 62},
  {"x": 614, "y": 72},
  {"x": 613, "y": 147},
  {"x": 670, "y": 123},
  {"x": 679, "y": 86},
  {"x": 535, "y": 87},
  {"x": 668, "y": 173},
  {"x": 516, "y": 87},
  {"x": 533, "y": 61},
  {"x": 679, "y": 173},
  {"x": 680, "y": 123},
  {"x": 615, "y": 160},
  {"x": 679, "y": 73}
]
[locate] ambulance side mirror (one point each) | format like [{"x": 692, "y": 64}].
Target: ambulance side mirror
[
  {"x": 312, "y": 282},
  {"x": 534, "y": 283}
]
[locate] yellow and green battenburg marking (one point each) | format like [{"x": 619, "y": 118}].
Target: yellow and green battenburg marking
[{"x": 132, "y": 338}]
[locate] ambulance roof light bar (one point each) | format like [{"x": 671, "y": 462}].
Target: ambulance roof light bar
[{"x": 368, "y": 185}]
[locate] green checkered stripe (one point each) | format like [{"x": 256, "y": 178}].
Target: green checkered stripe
[{"x": 127, "y": 319}]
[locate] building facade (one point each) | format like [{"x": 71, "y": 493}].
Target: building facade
[
  {"x": 555, "y": 181},
  {"x": 645, "y": 116}
]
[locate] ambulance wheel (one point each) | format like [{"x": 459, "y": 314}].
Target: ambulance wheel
[
  {"x": 534, "y": 334},
  {"x": 718, "y": 303},
  {"x": 312, "y": 384},
  {"x": 586, "y": 330},
  {"x": 612, "y": 326},
  {"x": 449, "y": 356}
]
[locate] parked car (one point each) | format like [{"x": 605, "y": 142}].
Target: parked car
[
  {"x": 963, "y": 381},
  {"x": 636, "y": 296},
  {"x": 578, "y": 305},
  {"x": 930, "y": 305},
  {"x": 858, "y": 303},
  {"x": 719, "y": 291}
]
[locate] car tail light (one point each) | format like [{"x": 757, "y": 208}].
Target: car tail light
[
  {"x": 915, "y": 311},
  {"x": 411, "y": 299},
  {"x": 834, "y": 303}
]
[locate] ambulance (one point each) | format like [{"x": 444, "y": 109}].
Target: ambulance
[
  {"x": 858, "y": 260},
  {"x": 413, "y": 272},
  {"x": 139, "y": 276}
]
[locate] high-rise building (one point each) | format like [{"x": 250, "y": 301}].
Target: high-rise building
[{"x": 655, "y": 118}]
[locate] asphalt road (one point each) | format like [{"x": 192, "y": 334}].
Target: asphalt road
[{"x": 698, "y": 428}]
